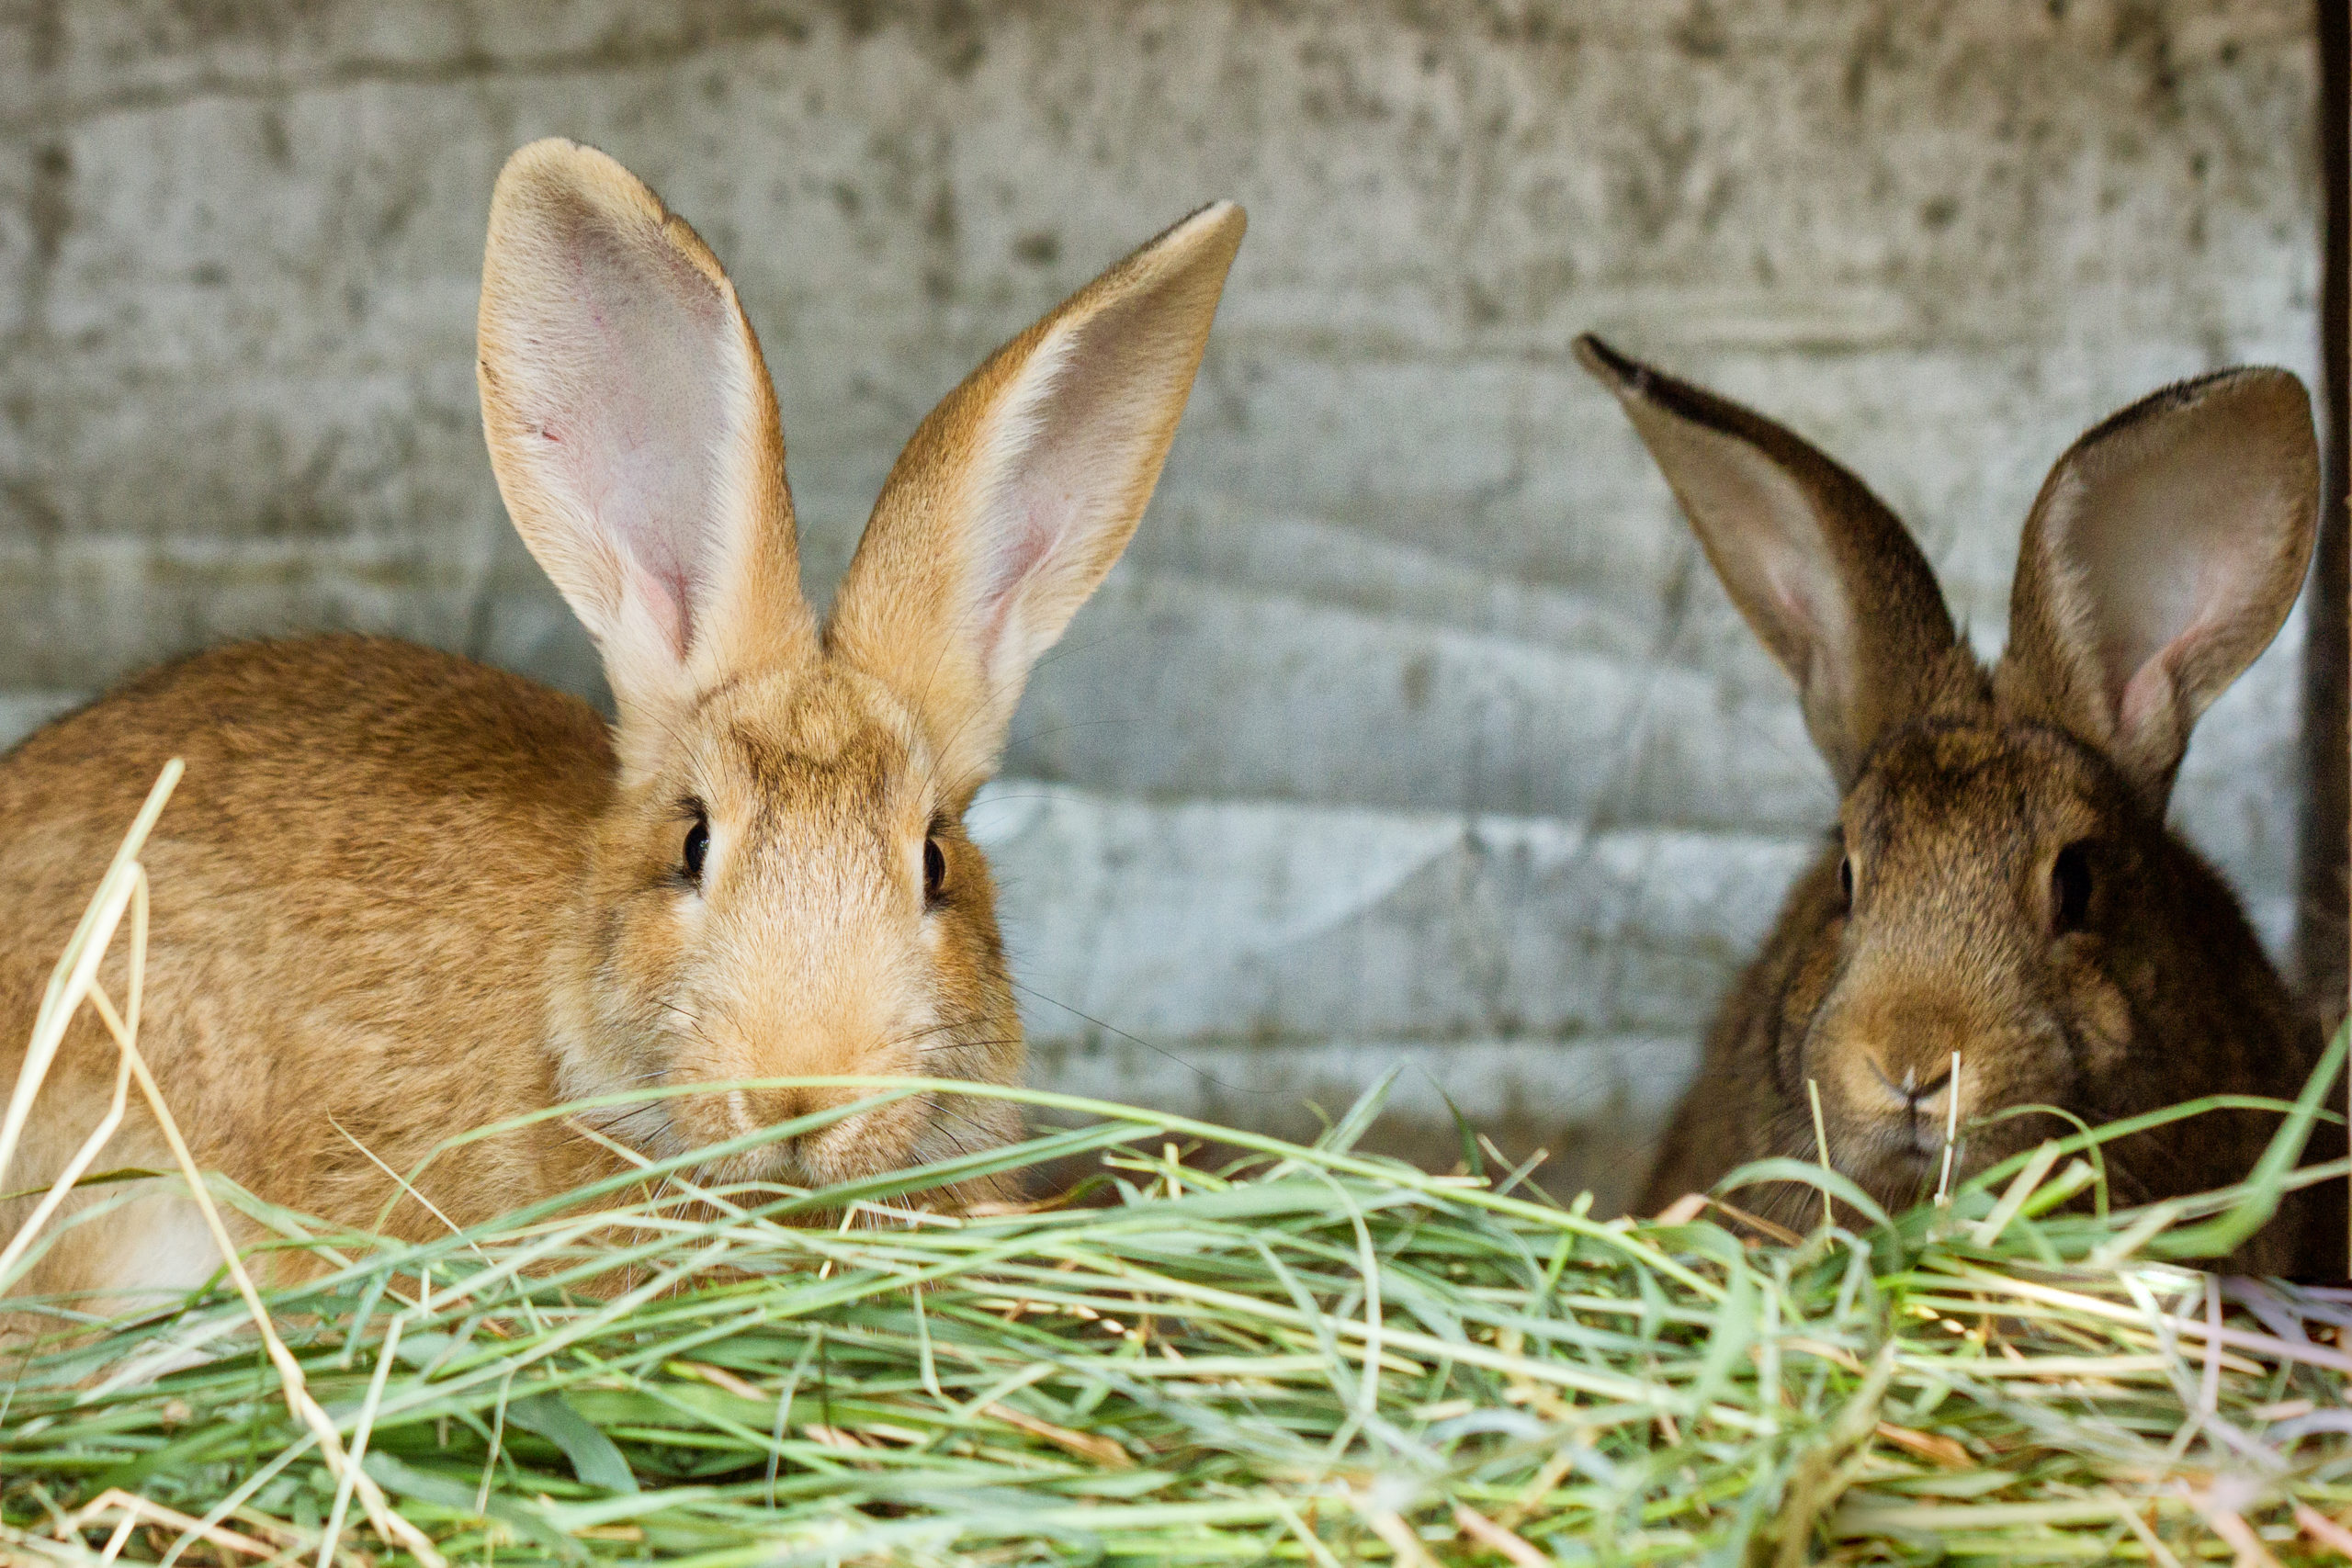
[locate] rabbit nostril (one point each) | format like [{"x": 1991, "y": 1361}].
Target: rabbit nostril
[{"x": 1910, "y": 1094}]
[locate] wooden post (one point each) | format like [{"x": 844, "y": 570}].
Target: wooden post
[{"x": 2323, "y": 923}]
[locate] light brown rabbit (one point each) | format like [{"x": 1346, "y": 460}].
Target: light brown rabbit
[
  {"x": 401, "y": 895},
  {"x": 2001, "y": 884}
]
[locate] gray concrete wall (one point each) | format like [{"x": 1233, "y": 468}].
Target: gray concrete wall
[{"x": 1413, "y": 729}]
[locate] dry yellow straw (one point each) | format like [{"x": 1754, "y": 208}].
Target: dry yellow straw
[
  {"x": 1821, "y": 1149},
  {"x": 1951, "y": 1132}
]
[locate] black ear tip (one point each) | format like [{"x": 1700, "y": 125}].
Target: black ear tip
[
  {"x": 1624, "y": 376},
  {"x": 2283, "y": 389},
  {"x": 2247, "y": 388}
]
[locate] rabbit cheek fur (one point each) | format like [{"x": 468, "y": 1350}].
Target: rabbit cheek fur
[
  {"x": 811, "y": 945},
  {"x": 2002, "y": 888}
]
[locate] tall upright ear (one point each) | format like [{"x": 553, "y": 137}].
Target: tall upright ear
[
  {"x": 633, "y": 429},
  {"x": 1020, "y": 490},
  {"x": 2159, "y": 560},
  {"x": 1829, "y": 577}
]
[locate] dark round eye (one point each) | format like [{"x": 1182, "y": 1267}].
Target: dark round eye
[
  {"x": 697, "y": 849},
  {"x": 1845, "y": 879},
  {"x": 2070, "y": 889},
  {"x": 934, "y": 870}
]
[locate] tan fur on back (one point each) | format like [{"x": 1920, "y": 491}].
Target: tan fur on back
[{"x": 337, "y": 790}]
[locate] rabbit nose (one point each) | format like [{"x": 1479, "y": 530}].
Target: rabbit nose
[
  {"x": 767, "y": 1107},
  {"x": 1910, "y": 1093}
]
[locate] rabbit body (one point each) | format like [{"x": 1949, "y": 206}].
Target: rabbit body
[
  {"x": 399, "y": 896},
  {"x": 350, "y": 939},
  {"x": 2002, "y": 888}
]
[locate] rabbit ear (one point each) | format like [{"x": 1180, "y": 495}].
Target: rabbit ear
[
  {"x": 2163, "y": 554},
  {"x": 1020, "y": 490},
  {"x": 1824, "y": 573},
  {"x": 633, "y": 429}
]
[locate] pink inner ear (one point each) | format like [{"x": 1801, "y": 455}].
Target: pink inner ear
[
  {"x": 1020, "y": 552},
  {"x": 633, "y": 362},
  {"x": 1805, "y": 628},
  {"x": 2201, "y": 610},
  {"x": 1788, "y": 593},
  {"x": 667, "y": 605},
  {"x": 2146, "y": 697},
  {"x": 2162, "y": 586}
]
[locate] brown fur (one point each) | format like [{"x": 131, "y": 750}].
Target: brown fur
[
  {"x": 1962, "y": 787},
  {"x": 399, "y": 894}
]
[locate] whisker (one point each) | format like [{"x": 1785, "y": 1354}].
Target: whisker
[
  {"x": 1202, "y": 1072},
  {"x": 970, "y": 1045}
]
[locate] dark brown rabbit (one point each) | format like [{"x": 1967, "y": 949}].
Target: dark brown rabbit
[{"x": 2002, "y": 885}]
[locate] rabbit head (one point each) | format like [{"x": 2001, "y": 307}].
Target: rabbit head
[
  {"x": 780, "y": 883},
  {"x": 2002, "y": 891}
]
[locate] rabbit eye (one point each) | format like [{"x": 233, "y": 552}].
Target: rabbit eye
[
  {"x": 935, "y": 871},
  {"x": 1845, "y": 879},
  {"x": 2070, "y": 889},
  {"x": 697, "y": 849}
]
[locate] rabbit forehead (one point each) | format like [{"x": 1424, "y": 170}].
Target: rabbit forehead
[
  {"x": 1962, "y": 795},
  {"x": 795, "y": 750}
]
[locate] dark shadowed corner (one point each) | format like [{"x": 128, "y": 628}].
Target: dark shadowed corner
[{"x": 2324, "y": 927}]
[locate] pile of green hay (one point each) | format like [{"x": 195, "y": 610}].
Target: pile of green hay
[{"x": 1310, "y": 1356}]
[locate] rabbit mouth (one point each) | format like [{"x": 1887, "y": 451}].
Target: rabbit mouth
[
  {"x": 1904, "y": 1160},
  {"x": 1925, "y": 1140},
  {"x": 899, "y": 1134},
  {"x": 903, "y": 1134}
]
